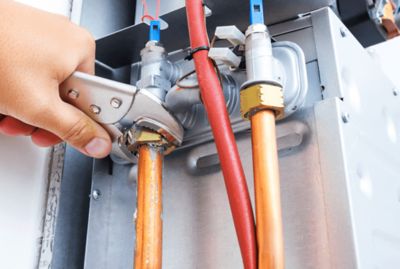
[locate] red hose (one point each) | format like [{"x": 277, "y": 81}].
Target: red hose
[{"x": 214, "y": 103}]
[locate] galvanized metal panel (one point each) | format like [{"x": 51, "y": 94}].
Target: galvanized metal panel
[
  {"x": 334, "y": 173},
  {"x": 198, "y": 227},
  {"x": 110, "y": 234},
  {"x": 370, "y": 144}
]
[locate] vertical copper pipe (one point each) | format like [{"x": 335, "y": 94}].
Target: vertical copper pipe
[
  {"x": 267, "y": 190},
  {"x": 148, "y": 250}
]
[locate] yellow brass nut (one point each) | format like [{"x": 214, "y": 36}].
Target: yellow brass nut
[
  {"x": 145, "y": 136},
  {"x": 142, "y": 136},
  {"x": 260, "y": 97}
]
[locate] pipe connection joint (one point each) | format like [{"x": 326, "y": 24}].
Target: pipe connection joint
[
  {"x": 139, "y": 136},
  {"x": 157, "y": 73},
  {"x": 261, "y": 90},
  {"x": 260, "y": 97}
]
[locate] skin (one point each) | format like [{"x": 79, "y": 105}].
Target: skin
[{"x": 38, "y": 51}]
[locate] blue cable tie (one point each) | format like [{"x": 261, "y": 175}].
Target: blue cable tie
[
  {"x": 256, "y": 12},
  {"x": 155, "y": 30}
]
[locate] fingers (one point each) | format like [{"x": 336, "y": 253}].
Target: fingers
[
  {"x": 72, "y": 126},
  {"x": 44, "y": 138},
  {"x": 87, "y": 61},
  {"x": 66, "y": 122},
  {"x": 13, "y": 127}
]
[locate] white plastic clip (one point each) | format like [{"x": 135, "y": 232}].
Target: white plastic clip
[
  {"x": 224, "y": 55},
  {"x": 230, "y": 33}
]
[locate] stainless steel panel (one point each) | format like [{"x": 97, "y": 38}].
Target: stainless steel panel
[
  {"x": 198, "y": 227},
  {"x": 329, "y": 125},
  {"x": 370, "y": 144},
  {"x": 110, "y": 235}
]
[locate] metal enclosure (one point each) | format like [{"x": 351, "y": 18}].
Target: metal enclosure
[{"x": 340, "y": 173}]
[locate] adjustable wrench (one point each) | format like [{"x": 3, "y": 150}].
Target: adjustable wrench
[{"x": 121, "y": 109}]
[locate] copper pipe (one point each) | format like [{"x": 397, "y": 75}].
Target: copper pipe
[
  {"x": 267, "y": 191},
  {"x": 148, "y": 250}
]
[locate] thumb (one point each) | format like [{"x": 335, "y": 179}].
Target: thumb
[{"x": 76, "y": 128}]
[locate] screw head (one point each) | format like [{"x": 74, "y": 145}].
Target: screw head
[
  {"x": 343, "y": 32},
  {"x": 73, "y": 94},
  {"x": 396, "y": 91},
  {"x": 96, "y": 195},
  {"x": 95, "y": 109},
  {"x": 116, "y": 103},
  {"x": 345, "y": 117}
]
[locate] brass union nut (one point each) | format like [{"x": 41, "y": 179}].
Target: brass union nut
[
  {"x": 260, "y": 97},
  {"x": 146, "y": 136},
  {"x": 138, "y": 136}
]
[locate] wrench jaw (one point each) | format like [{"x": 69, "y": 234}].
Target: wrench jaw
[
  {"x": 146, "y": 119},
  {"x": 145, "y": 131},
  {"x": 147, "y": 115},
  {"x": 172, "y": 136}
]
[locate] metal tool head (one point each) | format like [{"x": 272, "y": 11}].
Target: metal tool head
[{"x": 119, "y": 107}]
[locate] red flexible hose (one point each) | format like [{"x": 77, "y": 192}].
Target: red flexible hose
[{"x": 215, "y": 106}]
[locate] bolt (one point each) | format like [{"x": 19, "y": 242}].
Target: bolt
[
  {"x": 345, "y": 117},
  {"x": 95, "y": 109},
  {"x": 96, "y": 195},
  {"x": 343, "y": 32},
  {"x": 396, "y": 92},
  {"x": 73, "y": 94},
  {"x": 116, "y": 103}
]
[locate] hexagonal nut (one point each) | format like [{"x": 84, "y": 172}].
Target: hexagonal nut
[
  {"x": 260, "y": 97},
  {"x": 145, "y": 136},
  {"x": 137, "y": 137},
  {"x": 151, "y": 47}
]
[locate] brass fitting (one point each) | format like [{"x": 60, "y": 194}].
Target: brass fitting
[
  {"x": 146, "y": 136},
  {"x": 137, "y": 137},
  {"x": 262, "y": 96}
]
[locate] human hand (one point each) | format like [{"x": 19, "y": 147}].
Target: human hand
[{"x": 38, "y": 51}]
